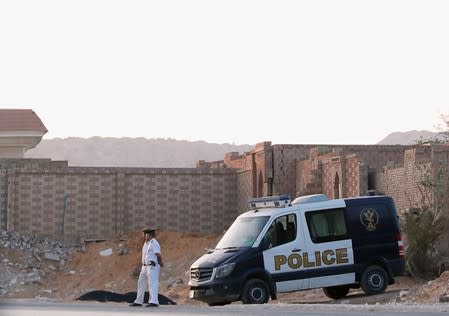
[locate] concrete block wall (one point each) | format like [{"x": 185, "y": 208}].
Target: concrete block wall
[
  {"x": 7, "y": 165},
  {"x": 181, "y": 200},
  {"x": 3, "y": 198},
  {"x": 102, "y": 202},
  {"x": 105, "y": 201},
  {"x": 36, "y": 203}
]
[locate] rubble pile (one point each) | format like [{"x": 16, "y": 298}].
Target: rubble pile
[
  {"x": 31, "y": 267},
  {"x": 435, "y": 291},
  {"x": 27, "y": 260}
]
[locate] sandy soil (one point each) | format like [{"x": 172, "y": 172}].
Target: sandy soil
[{"x": 87, "y": 270}]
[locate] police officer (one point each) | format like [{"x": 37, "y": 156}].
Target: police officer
[{"x": 149, "y": 274}]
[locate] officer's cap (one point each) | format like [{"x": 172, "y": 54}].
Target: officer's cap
[{"x": 149, "y": 230}]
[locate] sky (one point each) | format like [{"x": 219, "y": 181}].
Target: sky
[{"x": 240, "y": 72}]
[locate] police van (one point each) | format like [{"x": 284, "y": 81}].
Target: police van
[{"x": 311, "y": 242}]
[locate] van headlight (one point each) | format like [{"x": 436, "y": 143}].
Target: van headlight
[{"x": 224, "y": 270}]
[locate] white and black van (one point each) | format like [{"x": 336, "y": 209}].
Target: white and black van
[{"x": 312, "y": 242}]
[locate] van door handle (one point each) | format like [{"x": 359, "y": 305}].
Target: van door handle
[{"x": 296, "y": 250}]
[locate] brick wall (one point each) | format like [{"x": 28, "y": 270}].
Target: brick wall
[
  {"x": 244, "y": 189},
  {"x": 401, "y": 182},
  {"x": 284, "y": 167},
  {"x": 6, "y": 167},
  {"x": 3, "y": 198},
  {"x": 101, "y": 202},
  {"x": 285, "y": 159},
  {"x": 181, "y": 200},
  {"x": 304, "y": 170},
  {"x": 331, "y": 170},
  {"x": 355, "y": 178}
]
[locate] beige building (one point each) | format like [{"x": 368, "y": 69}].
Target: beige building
[{"x": 20, "y": 130}]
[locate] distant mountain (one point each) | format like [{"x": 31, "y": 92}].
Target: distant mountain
[
  {"x": 409, "y": 138},
  {"x": 161, "y": 153},
  {"x": 132, "y": 152}
]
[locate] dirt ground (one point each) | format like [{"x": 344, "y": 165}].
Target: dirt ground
[{"x": 87, "y": 270}]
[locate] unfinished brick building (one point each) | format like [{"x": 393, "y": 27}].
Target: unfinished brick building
[
  {"x": 336, "y": 170},
  {"x": 340, "y": 171}
]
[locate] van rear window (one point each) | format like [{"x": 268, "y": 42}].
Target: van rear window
[{"x": 328, "y": 225}]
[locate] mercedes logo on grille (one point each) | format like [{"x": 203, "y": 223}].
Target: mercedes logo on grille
[{"x": 197, "y": 274}]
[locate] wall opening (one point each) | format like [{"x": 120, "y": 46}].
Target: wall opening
[
  {"x": 371, "y": 179},
  {"x": 260, "y": 185},
  {"x": 336, "y": 186}
]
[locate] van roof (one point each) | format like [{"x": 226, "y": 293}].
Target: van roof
[
  {"x": 319, "y": 204},
  {"x": 296, "y": 207}
]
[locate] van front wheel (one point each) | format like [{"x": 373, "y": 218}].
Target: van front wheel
[
  {"x": 255, "y": 291},
  {"x": 336, "y": 292},
  {"x": 374, "y": 280}
]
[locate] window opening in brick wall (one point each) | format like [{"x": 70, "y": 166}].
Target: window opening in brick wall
[
  {"x": 260, "y": 185},
  {"x": 371, "y": 180},
  {"x": 336, "y": 186}
]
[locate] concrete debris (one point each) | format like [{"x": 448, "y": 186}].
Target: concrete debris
[
  {"x": 173, "y": 282},
  {"x": 51, "y": 256},
  {"x": 106, "y": 252},
  {"x": 38, "y": 258},
  {"x": 52, "y": 267},
  {"x": 444, "y": 298},
  {"x": 123, "y": 251},
  {"x": 403, "y": 294},
  {"x": 45, "y": 291}
]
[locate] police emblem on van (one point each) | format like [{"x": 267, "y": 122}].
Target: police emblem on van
[{"x": 369, "y": 218}]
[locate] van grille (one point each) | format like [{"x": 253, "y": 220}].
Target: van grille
[{"x": 201, "y": 274}]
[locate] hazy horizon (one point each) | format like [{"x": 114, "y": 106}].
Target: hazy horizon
[{"x": 201, "y": 140}]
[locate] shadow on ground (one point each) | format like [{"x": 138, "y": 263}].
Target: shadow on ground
[{"x": 106, "y": 296}]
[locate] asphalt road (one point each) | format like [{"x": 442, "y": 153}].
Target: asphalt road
[{"x": 51, "y": 308}]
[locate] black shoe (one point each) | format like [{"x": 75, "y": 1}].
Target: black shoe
[
  {"x": 135, "y": 304},
  {"x": 152, "y": 305}
]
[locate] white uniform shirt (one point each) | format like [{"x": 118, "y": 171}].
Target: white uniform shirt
[
  {"x": 149, "y": 251},
  {"x": 144, "y": 251}
]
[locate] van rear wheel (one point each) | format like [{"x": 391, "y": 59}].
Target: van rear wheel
[
  {"x": 255, "y": 291},
  {"x": 336, "y": 292},
  {"x": 374, "y": 280}
]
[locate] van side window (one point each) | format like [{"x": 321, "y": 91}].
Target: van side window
[
  {"x": 328, "y": 225},
  {"x": 281, "y": 231}
]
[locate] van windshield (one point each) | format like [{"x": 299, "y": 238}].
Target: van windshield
[{"x": 243, "y": 232}]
